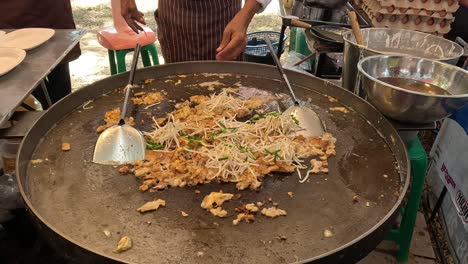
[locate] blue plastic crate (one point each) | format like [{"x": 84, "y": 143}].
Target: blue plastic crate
[{"x": 256, "y": 45}]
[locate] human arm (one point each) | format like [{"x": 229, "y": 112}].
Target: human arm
[
  {"x": 235, "y": 34},
  {"x": 131, "y": 15}
]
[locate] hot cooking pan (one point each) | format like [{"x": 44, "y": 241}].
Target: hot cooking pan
[{"x": 73, "y": 201}]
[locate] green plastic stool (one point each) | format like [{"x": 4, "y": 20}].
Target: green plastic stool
[
  {"x": 119, "y": 65},
  {"x": 403, "y": 235}
]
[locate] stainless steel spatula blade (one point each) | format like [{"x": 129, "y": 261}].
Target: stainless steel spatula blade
[
  {"x": 306, "y": 118},
  {"x": 119, "y": 144}
]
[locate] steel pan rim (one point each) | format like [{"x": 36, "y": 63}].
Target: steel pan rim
[
  {"x": 389, "y": 214},
  {"x": 457, "y": 54}
]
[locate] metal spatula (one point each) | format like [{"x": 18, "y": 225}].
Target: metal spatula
[
  {"x": 307, "y": 119},
  {"x": 121, "y": 143}
]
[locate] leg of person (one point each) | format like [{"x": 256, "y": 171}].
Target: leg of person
[
  {"x": 191, "y": 30},
  {"x": 58, "y": 85}
]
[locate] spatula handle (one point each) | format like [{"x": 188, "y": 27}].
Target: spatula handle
[
  {"x": 136, "y": 53},
  {"x": 356, "y": 28},
  {"x": 298, "y": 23},
  {"x": 280, "y": 69},
  {"x": 129, "y": 86}
]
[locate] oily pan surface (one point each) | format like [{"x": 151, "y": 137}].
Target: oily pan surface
[{"x": 81, "y": 199}]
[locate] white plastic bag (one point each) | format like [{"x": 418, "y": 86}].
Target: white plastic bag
[
  {"x": 10, "y": 197},
  {"x": 293, "y": 58}
]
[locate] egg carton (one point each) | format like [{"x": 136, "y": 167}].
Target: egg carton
[
  {"x": 376, "y": 7},
  {"x": 428, "y": 24},
  {"x": 438, "y": 26},
  {"x": 449, "y": 6}
]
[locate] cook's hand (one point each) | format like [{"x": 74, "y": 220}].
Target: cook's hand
[
  {"x": 234, "y": 39},
  {"x": 131, "y": 15}
]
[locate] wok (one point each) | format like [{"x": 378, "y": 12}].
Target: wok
[{"x": 72, "y": 201}]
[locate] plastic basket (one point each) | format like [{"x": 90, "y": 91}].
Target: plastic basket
[{"x": 257, "y": 50}]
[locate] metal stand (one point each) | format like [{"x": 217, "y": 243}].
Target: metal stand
[
  {"x": 46, "y": 93},
  {"x": 438, "y": 204},
  {"x": 281, "y": 40}
]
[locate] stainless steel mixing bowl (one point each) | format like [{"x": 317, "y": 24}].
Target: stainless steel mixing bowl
[
  {"x": 411, "y": 106},
  {"x": 387, "y": 41}
]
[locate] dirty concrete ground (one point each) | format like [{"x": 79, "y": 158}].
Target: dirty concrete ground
[
  {"x": 421, "y": 251},
  {"x": 93, "y": 65}
]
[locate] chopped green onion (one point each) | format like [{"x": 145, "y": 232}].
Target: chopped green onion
[
  {"x": 152, "y": 145},
  {"x": 222, "y": 125},
  {"x": 275, "y": 154},
  {"x": 274, "y": 113},
  {"x": 295, "y": 119},
  {"x": 248, "y": 151},
  {"x": 255, "y": 118},
  {"x": 215, "y": 134}
]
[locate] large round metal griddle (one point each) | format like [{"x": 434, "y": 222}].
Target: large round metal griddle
[{"x": 73, "y": 200}]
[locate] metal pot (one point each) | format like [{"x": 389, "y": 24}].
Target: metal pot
[
  {"x": 407, "y": 105},
  {"x": 394, "y": 41},
  {"x": 306, "y": 12}
]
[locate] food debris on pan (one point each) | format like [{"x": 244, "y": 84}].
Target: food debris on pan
[
  {"x": 355, "y": 198},
  {"x": 273, "y": 212},
  {"x": 340, "y": 109},
  {"x": 107, "y": 233},
  {"x": 243, "y": 217},
  {"x": 37, "y": 161},
  {"x": 251, "y": 208},
  {"x": 112, "y": 118},
  {"x": 219, "y": 212},
  {"x": 215, "y": 199},
  {"x": 66, "y": 146},
  {"x": 143, "y": 98},
  {"x": 327, "y": 233},
  {"x": 332, "y": 99},
  {"x": 151, "y": 206},
  {"x": 125, "y": 243}
]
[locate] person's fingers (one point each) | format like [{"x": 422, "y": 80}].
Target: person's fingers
[
  {"x": 141, "y": 18},
  {"x": 131, "y": 23},
  {"x": 132, "y": 20},
  {"x": 132, "y": 16},
  {"x": 233, "y": 49},
  {"x": 137, "y": 26},
  {"x": 226, "y": 38}
]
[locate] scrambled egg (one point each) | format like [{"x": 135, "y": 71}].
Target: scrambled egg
[
  {"x": 215, "y": 199},
  {"x": 151, "y": 206},
  {"x": 273, "y": 212}
]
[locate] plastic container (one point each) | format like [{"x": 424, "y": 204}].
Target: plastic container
[
  {"x": 8, "y": 150},
  {"x": 257, "y": 50}
]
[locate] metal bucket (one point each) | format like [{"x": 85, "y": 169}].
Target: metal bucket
[{"x": 394, "y": 41}]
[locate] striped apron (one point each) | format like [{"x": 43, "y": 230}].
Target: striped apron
[{"x": 190, "y": 30}]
